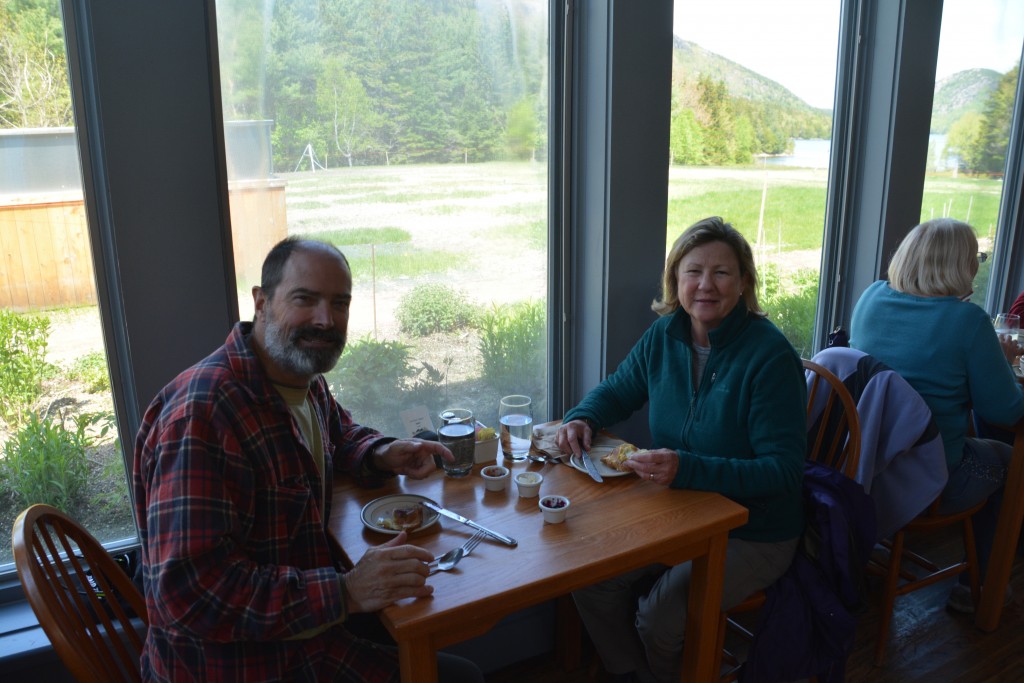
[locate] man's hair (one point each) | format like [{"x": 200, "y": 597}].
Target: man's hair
[
  {"x": 273, "y": 265},
  {"x": 712, "y": 229},
  {"x": 936, "y": 258}
]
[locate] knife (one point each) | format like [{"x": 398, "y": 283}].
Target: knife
[
  {"x": 589, "y": 464},
  {"x": 468, "y": 522}
]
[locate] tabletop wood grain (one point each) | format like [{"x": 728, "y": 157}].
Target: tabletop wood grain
[{"x": 610, "y": 528}]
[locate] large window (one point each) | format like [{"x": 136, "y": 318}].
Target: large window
[
  {"x": 58, "y": 439},
  {"x": 752, "y": 93},
  {"x": 413, "y": 135},
  {"x": 975, "y": 87}
]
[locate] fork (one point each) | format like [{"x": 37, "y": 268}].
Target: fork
[{"x": 466, "y": 548}]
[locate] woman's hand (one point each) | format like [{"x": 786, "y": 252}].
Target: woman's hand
[
  {"x": 659, "y": 466},
  {"x": 573, "y": 437}
]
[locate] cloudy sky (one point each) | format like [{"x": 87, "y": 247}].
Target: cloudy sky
[{"x": 800, "y": 54}]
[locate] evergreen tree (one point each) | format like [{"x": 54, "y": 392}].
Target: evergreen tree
[
  {"x": 716, "y": 120},
  {"x": 964, "y": 141},
  {"x": 746, "y": 142},
  {"x": 996, "y": 129},
  {"x": 686, "y": 139}
]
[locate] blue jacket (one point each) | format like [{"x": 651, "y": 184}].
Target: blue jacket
[{"x": 807, "y": 625}]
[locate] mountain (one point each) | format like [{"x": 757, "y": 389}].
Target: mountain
[
  {"x": 741, "y": 81},
  {"x": 960, "y": 93},
  {"x": 775, "y": 115}
]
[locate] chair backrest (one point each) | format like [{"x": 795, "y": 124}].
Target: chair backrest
[
  {"x": 833, "y": 434},
  {"x": 83, "y": 599}
]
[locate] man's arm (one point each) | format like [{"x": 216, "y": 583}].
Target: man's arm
[{"x": 370, "y": 457}]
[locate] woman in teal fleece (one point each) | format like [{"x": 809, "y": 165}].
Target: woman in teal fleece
[
  {"x": 727, "y": 402},
  {"x": 922, "y": 325}
]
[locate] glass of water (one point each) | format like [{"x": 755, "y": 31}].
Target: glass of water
[
  {"x": 1008, "y": 323},
  {"x": 458, "y": 434},
  {"x": 515, "y": 414}
]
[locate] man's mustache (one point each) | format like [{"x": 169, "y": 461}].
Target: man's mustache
[{"x": 333, "y": 336}]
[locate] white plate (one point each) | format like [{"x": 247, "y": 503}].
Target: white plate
[
  {"x": 602, "y": 469},
  {"x": 382, "y": 507}
]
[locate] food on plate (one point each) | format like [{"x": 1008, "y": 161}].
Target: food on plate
[
  {"x": 402, "y": 518},
  {"x": 485, "y": 433},
  {"x": 620, "y": 454}
]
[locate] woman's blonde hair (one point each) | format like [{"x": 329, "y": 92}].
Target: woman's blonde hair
[
  {"x": 712, "y": 229},
  {"x": 936, "y": 258}
]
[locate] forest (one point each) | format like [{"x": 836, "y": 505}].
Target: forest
[{"x": 380, "y": 82}]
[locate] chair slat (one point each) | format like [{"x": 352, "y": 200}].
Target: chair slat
[{"x": 92, "y": 632}]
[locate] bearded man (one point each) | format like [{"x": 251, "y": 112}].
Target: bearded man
[{"x": 233, "y": 474}]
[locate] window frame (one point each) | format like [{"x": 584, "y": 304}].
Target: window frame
[{"x": 161, "y": 233}]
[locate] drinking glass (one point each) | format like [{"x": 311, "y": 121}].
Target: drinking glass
[
  {"x": 458, "y": 434},
  {"x": 515, "y": 414},
  {"x": 1008, "y": 323},
  {"x": 457, "y": 415}
]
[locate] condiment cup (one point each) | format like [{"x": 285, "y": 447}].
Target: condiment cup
[
  {"x": 529, "y": 484},
  {"x": 554, "y": 508},
  {"x": 495, "y": 477}
]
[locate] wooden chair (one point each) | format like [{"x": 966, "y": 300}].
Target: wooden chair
[
  {"x": 83, "y": 599},
  {"x": 900, "y": 580},
  {"x": 833, "y": 439},
  {"x": 896, "y": 569}
]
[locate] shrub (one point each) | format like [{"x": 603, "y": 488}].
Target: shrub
[
  {"x": 512, "y": 346},
  {"x": 433, "y": 308},
  {"x": 376, "y": 380},
  {"x": 792, "y": 308},
  {"x": 91, "y": 370},
  {"x": 22, "y": 363},
  {"x": 45, "y": 462}
]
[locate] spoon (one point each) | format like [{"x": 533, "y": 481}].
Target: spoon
[{"x": 451, "y": 558}]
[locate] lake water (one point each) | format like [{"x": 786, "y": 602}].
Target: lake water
[
  {"x": 814, "y": 154},
  {"x": 806, "y": 154}
]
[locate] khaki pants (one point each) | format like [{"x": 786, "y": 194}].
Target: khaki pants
[{"x": 636, "y": 620}]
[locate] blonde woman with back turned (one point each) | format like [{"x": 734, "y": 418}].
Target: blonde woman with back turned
[{"x": 922, "y": 324}]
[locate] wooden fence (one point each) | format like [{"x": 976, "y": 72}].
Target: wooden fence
[{"x": 47, "y": 262}]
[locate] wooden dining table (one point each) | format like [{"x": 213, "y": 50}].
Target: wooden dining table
[
  {"x": 1004, "y": 544},
  {"x": 610, "y": 528}
]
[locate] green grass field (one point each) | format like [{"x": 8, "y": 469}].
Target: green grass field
[{"x": 794, "y": 209}]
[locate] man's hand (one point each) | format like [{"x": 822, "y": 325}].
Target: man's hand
[
  {"x": 388, "y": 573},
  {"x": 411, "y": 457},
  {"x": 574, "y": 436}
]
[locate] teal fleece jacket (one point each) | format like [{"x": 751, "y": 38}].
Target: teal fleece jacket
[
  {"x": 742, "y": 432},
  {"x": 947, "y": 350}
]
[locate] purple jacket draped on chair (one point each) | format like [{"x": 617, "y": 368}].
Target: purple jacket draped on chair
[{"x": 902, "y": 460}]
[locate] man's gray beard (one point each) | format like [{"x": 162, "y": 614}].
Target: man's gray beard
[{"x": 306, "y": 362}]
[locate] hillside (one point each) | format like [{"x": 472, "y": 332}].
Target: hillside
[
  {"x": 776, "y": 115},
  {"x": 741, "y": 81},
  {"x": 960, "y": 93}
]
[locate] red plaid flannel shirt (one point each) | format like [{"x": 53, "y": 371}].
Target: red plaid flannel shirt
[{"x": 236, "y": 554}]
